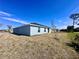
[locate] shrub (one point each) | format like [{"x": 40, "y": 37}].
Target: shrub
[
  {"x": 70, "y": 28},
  {"x": 74, "y": 40}
]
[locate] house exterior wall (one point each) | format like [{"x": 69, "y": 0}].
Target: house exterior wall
[
  {"x": 25, "y": 30},
  {"x": 34, "y": 31},
  {"x": 50, "y": 30},
  {"x": 30, "y": 30}
]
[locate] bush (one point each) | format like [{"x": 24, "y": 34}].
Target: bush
[
  {"x": 74, "y": 40},
  {"x": 70, "y": 28}
]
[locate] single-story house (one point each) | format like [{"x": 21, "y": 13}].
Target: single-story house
[{"x": 32, "y": 29}]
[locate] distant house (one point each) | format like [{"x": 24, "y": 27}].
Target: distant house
[{"x": 32, "y": 29}]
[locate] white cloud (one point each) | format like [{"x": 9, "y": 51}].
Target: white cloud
[
  {"x": 76, "y": 26},
  {"x": 2, "y": 13},
  {"x": 62, "y": 27},
  {"x": 6, "y": 16},
  {"x": 14, "y": 20}
]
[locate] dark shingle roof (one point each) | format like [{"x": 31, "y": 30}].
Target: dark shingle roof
[
  {"x": 35, "y": 25},
  {"x": 39, "y": 25}
]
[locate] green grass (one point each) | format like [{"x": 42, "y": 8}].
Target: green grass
[{"x": 71, "y": 35}]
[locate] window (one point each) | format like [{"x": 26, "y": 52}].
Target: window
[
  {"x": 48, "y": 30},
  {"x": 38, "y": 29},
  {"x": 44, "y": 29}
]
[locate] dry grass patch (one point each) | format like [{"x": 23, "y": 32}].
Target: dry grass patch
[{"x": 35, "y": 47}]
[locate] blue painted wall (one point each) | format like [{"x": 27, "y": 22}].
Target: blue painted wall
[{"x": 25, "y": 30}]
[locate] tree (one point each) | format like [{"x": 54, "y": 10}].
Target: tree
[
  {"x": 74, "y": 17},
  {"x": 9, "y": 28},
  {"x": 53, "y": 26},
  {"x": 70, "y": 28}
]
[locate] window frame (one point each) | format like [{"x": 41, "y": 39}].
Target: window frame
[{"x": 44, "y": 29}]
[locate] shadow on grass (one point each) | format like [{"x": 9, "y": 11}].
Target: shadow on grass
[{"x": 74, "y": 45}]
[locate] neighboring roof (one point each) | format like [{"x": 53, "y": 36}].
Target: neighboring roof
[{"x": 35, "y": 25}]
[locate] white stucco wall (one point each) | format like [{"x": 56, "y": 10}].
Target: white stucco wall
[{"x": 34, "y": 31}]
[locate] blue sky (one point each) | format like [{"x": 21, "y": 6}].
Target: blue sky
[{"x": 19, "y": 12}]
